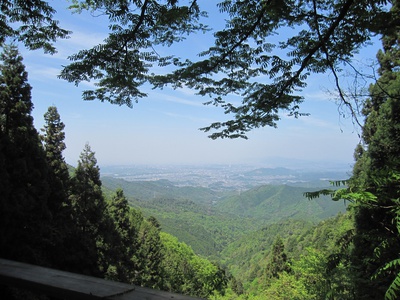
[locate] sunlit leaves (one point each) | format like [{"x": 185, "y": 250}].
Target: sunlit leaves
[
  {"x": 393, "y": 290},
  {"x": 186, "y": 272},
  {"x": 377, "y": 238}
]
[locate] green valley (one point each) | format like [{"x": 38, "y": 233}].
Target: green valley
[
  {"x": 209, "y": 221},
  {"x": 237, "y": 229}
]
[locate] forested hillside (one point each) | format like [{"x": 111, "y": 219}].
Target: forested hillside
[
  {"x": 263, "y": 243},
  {"x": 208, "y": 221},
  {"x": 291, "y": 260},
  {"x": 147, "y": 190},
  {"x": 239, "y": 232},
  {"x": 272, "y": 203}
]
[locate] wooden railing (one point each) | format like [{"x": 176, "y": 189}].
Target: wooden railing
[{"x": 66, "y": 285}]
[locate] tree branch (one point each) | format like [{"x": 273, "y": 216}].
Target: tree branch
[
  {"x": 331, "y": 66},
  {"x": 319, "y": 45}
]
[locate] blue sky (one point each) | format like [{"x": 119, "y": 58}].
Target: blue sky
[{"x": 164, "y": 127}]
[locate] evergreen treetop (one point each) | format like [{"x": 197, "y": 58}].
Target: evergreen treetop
[{"x": 24, "y": 213}]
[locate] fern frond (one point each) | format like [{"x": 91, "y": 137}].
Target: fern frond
[
  {"x": 392, "y": 292},
  {"x": 394, "y": 264}
]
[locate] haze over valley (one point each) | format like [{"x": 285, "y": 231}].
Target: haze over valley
[{"x": 229, "y": 177}]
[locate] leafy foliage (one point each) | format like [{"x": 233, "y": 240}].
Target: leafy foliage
[
  {"x": 308, "y": 273},
  {"x": 253, "y": 56},
  {"x": 121, "y": 64},
  {"x": 110, "y": 239},
  {"x": 377, "y": 239},
  {"x": 374, "y": 186},
  {"x": 30, "y": 22},
  {"x": 187, "y": 273},
  {"x": 248, "y": 59},
  {"x": 207, "y": 231}
]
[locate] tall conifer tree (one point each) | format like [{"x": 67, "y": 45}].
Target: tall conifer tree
[
  {"x": 53, "y": 140},
  {"x": 89, "y": 209},
  {"x": 278, "y": 261},
  {"x": 377, "y": 166},
  {"x": 124, "y": 243},
  {"x": 63, "y": 227},
  {"x": 149, "y": 255},
  {"x": 24, "y": 216}
]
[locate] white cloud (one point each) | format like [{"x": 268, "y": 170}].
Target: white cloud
[
  {"x": 42, "y": 73},
  {"x": 189, "y": 117},
  {"x": 319, "y": 95},
  {"x": 316, "y": 122},
  {"x": 174, "y": 99}
]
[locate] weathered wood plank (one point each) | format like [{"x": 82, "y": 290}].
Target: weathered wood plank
[
  {"x": 75, "y": 286},
  {"x": 150, "y": 294}
]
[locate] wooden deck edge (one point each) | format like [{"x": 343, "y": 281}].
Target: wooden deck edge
[{"x": 68, "y": 285}]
